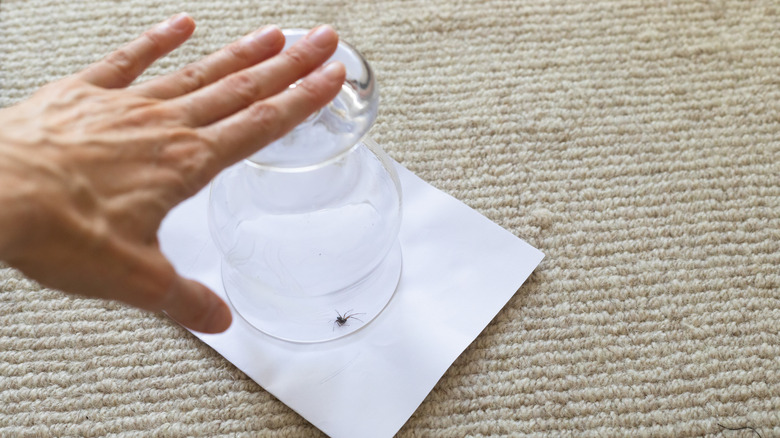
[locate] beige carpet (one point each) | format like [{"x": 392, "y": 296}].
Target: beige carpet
[{"x": 636, "y": 143}]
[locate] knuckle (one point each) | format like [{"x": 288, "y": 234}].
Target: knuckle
[
  {"x": 123, "y": 62},
  {"x": 264, "y": 112},
  {"x": 295, "y": 57},
  {"x": 191, "y": 160},
  {"x": 266, "y": 117},
  {"x": 192, "y": 77},
  {"x": 154, "y": 39},
  {"x": 311, "y": 91},
  {"x": 243, "y": 87},
  {"x": 200, "y": 170},
  {"x": 142, "y": 116},
  {"x": 240, "y": 52}
]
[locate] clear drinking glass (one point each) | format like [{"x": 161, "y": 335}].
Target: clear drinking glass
[{"x": 308, "y": 226}]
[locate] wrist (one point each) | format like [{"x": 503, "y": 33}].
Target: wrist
[
  {"x": 16, "y": 202},
  {"x": 15, "y": 219}
]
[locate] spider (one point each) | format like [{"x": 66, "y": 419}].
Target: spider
[{"x": 341, "y": 320}]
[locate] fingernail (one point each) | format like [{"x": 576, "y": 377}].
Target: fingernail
[
  {"x": 263, "y": 34},
  {"x": 333, "y": 70},
  {"x": 179, "y": 22},
  {"x": 322, "y": 36}
]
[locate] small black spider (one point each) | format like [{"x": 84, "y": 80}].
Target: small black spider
[{"x": 341, "y": 320}]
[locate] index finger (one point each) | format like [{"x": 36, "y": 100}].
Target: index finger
[
  {"x": 246, "y": 52},
  {"x": 123, "y": 66}
]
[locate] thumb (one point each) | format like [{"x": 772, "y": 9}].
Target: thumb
[
  {"x": 196, "y": 307},
  {"x": 158, "y": 287}
]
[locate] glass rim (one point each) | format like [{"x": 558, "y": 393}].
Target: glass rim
[{"x": 354, "y": 74}]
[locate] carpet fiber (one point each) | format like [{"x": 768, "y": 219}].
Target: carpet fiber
[{"x": 636, "y": 143}]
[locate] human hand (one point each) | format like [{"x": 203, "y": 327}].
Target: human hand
[{"x": 89, "y": 167}]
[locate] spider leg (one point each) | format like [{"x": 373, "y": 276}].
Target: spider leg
[{"x": 352, "y": 315}]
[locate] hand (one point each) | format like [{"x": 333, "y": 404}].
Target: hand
[{"x": 90, "y": 167}]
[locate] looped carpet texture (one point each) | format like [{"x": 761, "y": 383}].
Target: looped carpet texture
[{"x": 636, "y": 143}]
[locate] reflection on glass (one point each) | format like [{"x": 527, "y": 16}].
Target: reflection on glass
[{"x": 308, "y": 226}]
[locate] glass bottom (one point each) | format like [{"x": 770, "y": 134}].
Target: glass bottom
[{"x": 314, "y": 319}]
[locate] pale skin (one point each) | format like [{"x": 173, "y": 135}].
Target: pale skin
[{"x": 90, "y": 164}]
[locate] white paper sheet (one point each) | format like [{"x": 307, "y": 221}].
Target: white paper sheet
[{"x": 459, "y": 270}]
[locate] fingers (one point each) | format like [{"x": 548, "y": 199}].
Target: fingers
[
  {"x": 239, "y": 55},
  {"x": 123, "y": 66},
  {"x": 242, "y": 134},
  {"x": 242, "y": 89}
]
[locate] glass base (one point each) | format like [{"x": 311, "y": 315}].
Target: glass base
[{"x": 314, "y": 319}]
